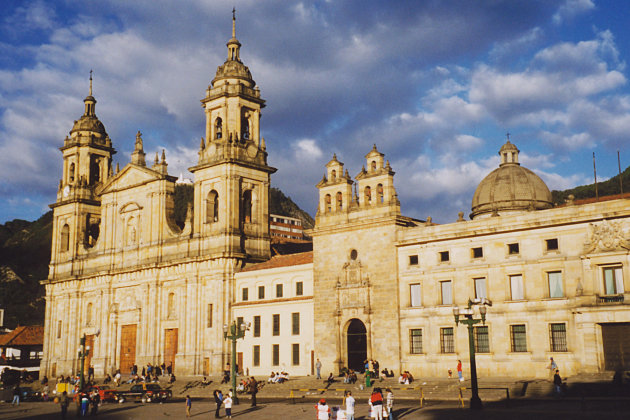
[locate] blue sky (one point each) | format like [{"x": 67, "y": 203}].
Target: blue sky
[{"x": 435, "y": 84}]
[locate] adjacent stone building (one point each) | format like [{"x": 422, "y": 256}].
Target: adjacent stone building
[{"x": 377, "y": 285}]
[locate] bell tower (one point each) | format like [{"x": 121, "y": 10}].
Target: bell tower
[
  {"x": 231, "y": 198},
  {"x": 87, "y": 158}
]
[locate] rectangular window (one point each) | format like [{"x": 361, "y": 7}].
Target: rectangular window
[
  {"x": 239, "y": 321},
  {"x": 516, "y": 287},
  {"x": 278, "y": 290},
  {"x": 276, "y": 324},
  {"x": 59, "y": 329},
  {"x": 558, "y": 337},
  {"x": 275, "y": 355},
  {"x": 256, "y": 356},
  {"x": 416, "y": 299},
  {"x": 518, "y": 338},
  {"x": 513, "y": 249},
  {"x": 209, "y": 321},
  {"x": 613, "y": 280},
  {"x": 477, "y": 252},
  {"x": 413, "y": 260},
  {"x": 299, "y": 288},
  {"x": 482, "y": 341},
  {"x": 415, "y": 341},
  {"x": 446, "y": 292},
  {"x": 480, "y": 288},
  {"x": 555, "y": 284},
  {"x": 245, "y": 293},
  {"x": 447, "y": 342},
  {"x": 552, "y": 244},
  {"x": 261, "y": 292},
  {"x": 295, "y": 323},
  {"x": 444, "y": 256},
  {"x": 295, "y": 354},
  {"x": 257, "y": 326}
]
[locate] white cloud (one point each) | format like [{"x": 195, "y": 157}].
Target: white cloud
[
  {"x": 572, "y": 8},
  {"x": 307, "y": 149}
]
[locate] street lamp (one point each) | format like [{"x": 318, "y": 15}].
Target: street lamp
[
  {"x": 467, "y": 313},
  {"x": 83, "y": 352},
  {"x": 236, "y": 331}
]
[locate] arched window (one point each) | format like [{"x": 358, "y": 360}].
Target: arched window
[
  {"x": 131, "y": 231},
  {"x": 170, "y": 305},
  {"x": 328, "y": 203},
  {"x": 65, "y": 238},
  {"x": 379, "y": 194},
  {"x": 247, "y": 206},
  {"x": 71, "y": 175},
  {"x": 373, "y": 165},
  {"x": 333, "y": 175},
  {"x": 244, "y": 128},
  {"x": 212, "y": 207},
  {"x": 88, "y": 314},
  {"x": 367, "y": 195},
  {"x": 218, "y": 128},
  {"x": 339, "y": 201},
  {"x": 95, "y": 170}
]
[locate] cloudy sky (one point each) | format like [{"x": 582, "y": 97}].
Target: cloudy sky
[{"x": 435, "y": 84}]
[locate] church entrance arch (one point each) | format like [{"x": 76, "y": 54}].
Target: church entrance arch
[{"x": 356, "y": 336}]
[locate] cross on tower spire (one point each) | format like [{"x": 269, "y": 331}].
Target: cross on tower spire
[
  {"x": 233, "y": 22},
  {"x": 90, "y": 82}
]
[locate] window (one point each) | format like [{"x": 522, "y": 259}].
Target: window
[
  {"x": 276, "y": 324},
  {"x": 247, "y": 207},
  {"x": 209, "y": 323},
  {"x": 513, "y": 249},
  {"x": 415, "y": 341},
  {"x": 552, "y": 244},
  {"x": 480, "y": 288},
  {"x": 444, "y": 256},
  {"x": 413, "y": 260},
  {"x": 295, "y": 354},
  {"x": 477, "y": 252},
  {"x": 555, "y": 284},
  {"x": 415, "y": 294},
  {"x": 339, "y": 201},
  {"x": 295, "y": 323},
  {"x": 278, "y": 290},
  {"x": 212, "y": 207},
  {"x": 447, "y": 293},
  {"x": 88, "y": 315},
  {"x": 218, "y": 128},
  {"x": 518, "y": 338},
  {"x": 367, "y": 195},
  {"x": 516, "y": 287},
  {"x": 244, "y": 128},
  {"x": 257, "y": 326},
  {"x": 380, "y": 194},
  {"x": 447, "y": 342},
  {"x": 65, "y": 238},
  {"x": 72, "y": 172},
  {"x": 261, "y": 292},
  {"x": 558, "y": 337},
  {"x": 256, "y": 356},
  {"x": 59, "y": 329},
  {"x": 299, "y": 288},
  {"x": 613, "y": 280},
  {"x": 245, "y": 294},
  {"x": 328, "y": 200},
  {"x": 275, "y": 358},
  {"x": 482, "y": 341},
  {"x": 170, "y": 305}
]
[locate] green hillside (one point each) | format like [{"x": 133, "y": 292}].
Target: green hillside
[{"x": 608, "y": 187}]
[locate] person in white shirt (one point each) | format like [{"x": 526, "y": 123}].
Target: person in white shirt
[
  {"x": 323, "y": 411},
  {"x": 227, "y": 402},
  {"x": 349, "y": 405}
]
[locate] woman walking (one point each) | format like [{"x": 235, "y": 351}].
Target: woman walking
[{"x": 460, "y": 374}]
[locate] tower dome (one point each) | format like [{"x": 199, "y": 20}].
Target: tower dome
[
  {"x": 233, "y": 69},
  {"x": 510, "y": 188}
]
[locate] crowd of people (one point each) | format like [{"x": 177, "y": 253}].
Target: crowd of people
[
  {"x": 380, "y": 406},
  {"x": 278, "y": 378}
]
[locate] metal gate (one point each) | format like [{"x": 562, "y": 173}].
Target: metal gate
[
  {"x": 616, "y": 340},
  {"x": 127, "y": 347},
  {"x": 170, "y": 346}
]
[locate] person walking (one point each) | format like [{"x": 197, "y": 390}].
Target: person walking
[
  {"x": 390, "y": 403},
  {"x": 376, "y": 404},
  {"x": 63, "y": 403},
  {"x": 349, "y": 405},
  {"x": 16, "y": 396},
  {"x": 557, "y": 383},
  {"x": 218, "y": 398},
  {"x": 95, "y": 401},
  {"x": 253, "y": 386},
  {"x": 323, "y": 411},
  {"x": 552, "y": 367},
  {"x": 460, "y": 373},
  {"x": 188, "y": 405},
  {"x": 228, "y": 405},
  {"x": 318, "y": 367}
]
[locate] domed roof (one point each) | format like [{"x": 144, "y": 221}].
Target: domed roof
[
  {"x": 233, "y": 69},
  {"x": 510, "y": 188},
  {"x": 89, "y": 123}
]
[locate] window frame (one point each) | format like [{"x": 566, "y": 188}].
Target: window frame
[
  {"x": 415, "y": 341},
  {"x": 418, "y": 303},
  {"x": 256, "y": 355},
  {"x": 484, "y": 281},
  {"x": 299, "y": 288},
  {"x": 444, "y": 256},
  {"x": 514, "y": 248},
  {"x": 295, "y": 323},
  {"x": 275, "y": 355},
  {"x": 551, "y": 241},
  {"x": 558, "y": 342},
  {"x": 515, "y": 342},
  {"x": 522, "y": 287},
  {"x": 279, "y": 290},
  {"x": 616, "y": 282},
  {"x": 245, "y": 294},
  {"x": 295, "y": 354},
  {"x": 414, "y": 260},
  {"x": 482, "y": 338},
  {"x": 275, "y": 325},
  {"x": 256, "y": 323},
  {"x": 209, "y": 315},
  {"x": 442, "y": 284},
  {"x": 474, "y": 251},
  {"x": 261, "y": 292},
  {"x": 560, "y": 282},
  {"x": 447, "y": 345}
]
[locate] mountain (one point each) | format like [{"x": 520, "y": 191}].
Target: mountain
[
  {"x": 25, "y": 253},
  {"x": 608, "y": 187}
]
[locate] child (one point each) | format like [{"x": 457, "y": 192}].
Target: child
[
  {"x": 228, "y": 405},
  {"x": 188, "y": 405}
]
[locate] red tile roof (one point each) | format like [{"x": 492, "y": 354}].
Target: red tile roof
[
  {"x": 282, "y": 261},
  {"x": 24, "y": 336}
]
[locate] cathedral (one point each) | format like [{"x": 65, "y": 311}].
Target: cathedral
[{"x": 377, "y": 284}]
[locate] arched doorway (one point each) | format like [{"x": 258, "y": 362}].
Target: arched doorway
[{"x": 356, "y": 344}]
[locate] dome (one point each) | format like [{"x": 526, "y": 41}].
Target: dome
[
  {"x": 233, "y": 69},
  {"x": 89, "y": 123},
  {"x": 510, "y": 188}
]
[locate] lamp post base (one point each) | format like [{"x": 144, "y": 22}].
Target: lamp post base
[{"x": 475, "y": 403}]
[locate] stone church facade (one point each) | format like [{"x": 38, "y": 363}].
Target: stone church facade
[{"x": 376, "y": 285}]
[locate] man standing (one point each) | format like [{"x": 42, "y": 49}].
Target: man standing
[
  {"x": 349, "y": 405},
  {"x": 63, "y": 402},
  {"x": 557, "y": 383},
  {"x": 318, "y": 366},
  {"x": 253, "y": 385},
  {"x": 16, "y": 396}
]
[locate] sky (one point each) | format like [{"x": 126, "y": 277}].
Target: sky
[{"x": 436, "y": 85}]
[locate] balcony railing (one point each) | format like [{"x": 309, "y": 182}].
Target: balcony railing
[{"x": 610, "y": 299}]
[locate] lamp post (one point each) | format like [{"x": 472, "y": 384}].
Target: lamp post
[
  {"x": 475, "y": 401},
  {"x": 83, "y": 351},
  {"x": 235, "y": 331}
]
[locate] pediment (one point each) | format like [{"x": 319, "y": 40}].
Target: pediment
[{"x": 131, "y": 176}]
